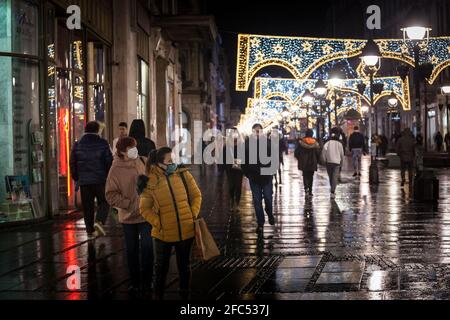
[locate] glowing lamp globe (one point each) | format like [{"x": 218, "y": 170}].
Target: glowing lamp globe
[
  {"x": 321, "y": 88},
  {"x": 307, "y": 97},
  {"x": 416, "y": 33},
  {"x": 335, "y": 82},
  {"x": 446, "y": 89},
  {"x": 393, "y": 102},
  {"x": 371, "y": 61},
  {"x": 365, "y": 109}
]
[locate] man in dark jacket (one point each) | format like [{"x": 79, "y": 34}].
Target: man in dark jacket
[
  {"x": 406, "y": 150},
  {"x": 308, "y": 154},
  {"x": 260, "y": 183},
  {"x": 90, "y": 161},
  {"x": 357, "y": 146}
]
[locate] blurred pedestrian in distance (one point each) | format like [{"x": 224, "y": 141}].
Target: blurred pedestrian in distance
[
  {"x": 144, "y": 145},
  {"x": 406, "y": 150},
  {"x": 123, "y": 132},
  {"x": 357, "y": 146},
  {"x": 439, "y": 140},
  {"x": 333, "y": 156},
  {"x": 307, "y": 154},
  {"x": 447, "y": 141}
]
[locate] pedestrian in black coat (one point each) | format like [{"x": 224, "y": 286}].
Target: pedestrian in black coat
[
  {"x": 308, "y": 154},
  {"x": 144, "y": 145},
  {"x": 90, "y": 161}
]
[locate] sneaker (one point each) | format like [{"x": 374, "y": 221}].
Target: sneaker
[
  {"x": 99, "y": 228},
  {"x": 260, "y": 229},
  {"x": 355, "y": 174},
  {"x": 333, "y": 196},
  {"x": 402, "y": 185},
  {"x": 272, "y": 220}
]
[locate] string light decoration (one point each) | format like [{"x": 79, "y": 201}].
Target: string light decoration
[
  {"x": 302, "y": 56},
  {"x": 292, "y": 90}
]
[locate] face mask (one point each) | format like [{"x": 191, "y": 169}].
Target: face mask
[
  {"x": 171, "y": 168},
  {"x": 133, "y": 153}
]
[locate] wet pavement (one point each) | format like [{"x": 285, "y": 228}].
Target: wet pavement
[{"x": 370, "y": 243}]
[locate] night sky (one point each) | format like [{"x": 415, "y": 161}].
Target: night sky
[{"x": 277, "y": 17}]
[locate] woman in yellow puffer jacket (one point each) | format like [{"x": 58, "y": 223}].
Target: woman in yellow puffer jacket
[{"x": 171, "y": 202}]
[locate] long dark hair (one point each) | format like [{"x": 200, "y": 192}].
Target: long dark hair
[
  {"x": 137, "y": 129},
  {"x": 157, "y": 156}
]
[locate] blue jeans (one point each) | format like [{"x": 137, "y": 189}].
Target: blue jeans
[
  {"x": 356, "y": 158},
  {"x": 139, "y": 250},
  {"x": 333, "y": 174},
  {"x": 259, "y": 193}
]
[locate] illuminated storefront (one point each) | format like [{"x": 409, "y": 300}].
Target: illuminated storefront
[
  {"x": 78, "y": 92},
  {"x": 52, "y": 81}
]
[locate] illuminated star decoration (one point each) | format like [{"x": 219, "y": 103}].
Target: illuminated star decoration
[
  {"x": 296, "y": 60},
  {"x": 307, "y": 46},
  {"x": 278, "y": 49}
]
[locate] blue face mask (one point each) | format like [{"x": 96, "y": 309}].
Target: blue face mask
[{"x": 171, "y": 168}]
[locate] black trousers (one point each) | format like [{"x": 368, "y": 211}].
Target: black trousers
[
  {"x": 88, "y": 195},
  {"x": 235, "y": 178},
  {"x": 308, "y": 180},
  {"x": 407, "y": 166},
  {"x": 163, "y": 252},
  {"x": 139, "y": 249}
]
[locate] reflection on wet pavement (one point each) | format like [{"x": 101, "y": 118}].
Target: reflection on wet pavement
[{"x": 370, "y": 243}]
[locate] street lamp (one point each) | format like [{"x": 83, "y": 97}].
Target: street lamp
[
  {"x": 393, "y": 101},
  {"x": 371, "y": 56},
  {"x": 336, "y": 79},
  {"x": 307, "y": 99},
  {"x": 321, "y": 90}
]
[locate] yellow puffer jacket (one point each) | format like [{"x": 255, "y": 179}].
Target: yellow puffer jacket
[{"x": 165, "y": 205}]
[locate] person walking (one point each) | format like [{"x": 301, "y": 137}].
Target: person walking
[
  {"x": 144, "y": 145},
  {"x": 447, "y": 141},
  {"x": 333, "y": 155},
  {"x": 439, "y": 140},
  {"x": 357, "y": 146},
  {"x": 307, "y": 154},
  {"x": 121, "y": 193},
  {"x": 90, "y": 161},
  {"x": 123, "y": 132},
  {"x": 406, "y": 150},
  {"x": 171, "y": 203},
  {"x": 232, "y": 164},
  {"x": 261, "y": 184}
]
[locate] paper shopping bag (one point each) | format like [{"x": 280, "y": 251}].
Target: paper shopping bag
[{"x": 204, "y": 241}]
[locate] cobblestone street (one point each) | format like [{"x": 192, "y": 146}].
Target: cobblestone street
[{"x": 370, "y": 243}]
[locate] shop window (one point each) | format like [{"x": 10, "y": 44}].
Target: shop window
[
  {"x": 142, "y": 90},
  {"x": 21, "y": 138},
  {"x": 19, "y": 26}
]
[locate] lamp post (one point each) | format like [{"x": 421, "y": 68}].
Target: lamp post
[
  {"x": 371, "y": 56},
  {"x": 321, "y": 91},
  {"x": 446, "y": 92},
  {"x": 416, "y": 33},
  {"x": 307, "y": 99},
  {"x": 335, "y": 81}
]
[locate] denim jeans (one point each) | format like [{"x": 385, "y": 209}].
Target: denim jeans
[
  {"x": 163, "y": 252},
  {"x": 333, "y": 174},
  {"x": 259, "y": 193},
  {"x": 88, "y": 195},
  {"x": 356, "y": 159},
  {"x": 139, "y": 250}
]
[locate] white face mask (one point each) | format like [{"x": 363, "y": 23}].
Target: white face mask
[{"x": 133, "y": 153}]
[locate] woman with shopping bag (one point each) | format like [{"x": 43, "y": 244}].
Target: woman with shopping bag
[{"x": 171, "y": 202}]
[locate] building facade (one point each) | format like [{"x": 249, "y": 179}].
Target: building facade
[{"x": 123, "y": 64}]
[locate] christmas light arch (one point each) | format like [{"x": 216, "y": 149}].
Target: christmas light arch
[
  {"x": 302, "y": 56},
  {"x": 293, "y": 90}
]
